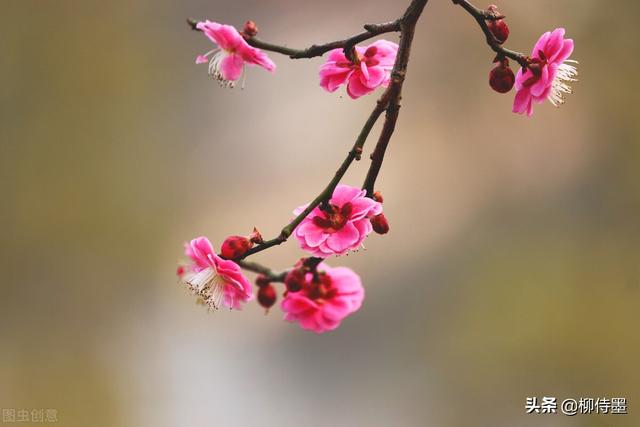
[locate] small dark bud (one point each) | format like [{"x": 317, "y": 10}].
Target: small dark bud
[
  {"x": 267, "y": 296},
  {"x": 294, "y": 280},
  {"x": 501, "y": 77},
  {"x": 377, "y": 196},
  {"x": 498, "y": 27},
  {"x": 262, "y": 281},
  {"x": 235, "y": 246},
  {"x": 250, "y": 29},
  {"x": 380, "y": 224}
]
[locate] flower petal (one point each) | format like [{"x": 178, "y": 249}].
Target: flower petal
[
  {"x": 344, "y": 239},
  {"x": 231, "y": 67},
  {"x": 522, "y": 101},
  {"x": 355, "y": 88}
]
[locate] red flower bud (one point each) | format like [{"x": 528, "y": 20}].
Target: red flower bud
[
  {"x": 380, "y": 224},
  {"x": 501, "y": 77},
  {"x": 498, "y": 27},
  {"x": 262, "y": 280},
  {"x": 250, "y": 29},
  {"x": 235, "y": 246},
  {"x": 180, "y": 270},
  {"x": 377, "y": 196},
  {"x": 267, "y": 296},
  {"x": 294, "y": 280}
]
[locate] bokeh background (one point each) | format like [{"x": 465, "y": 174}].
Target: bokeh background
[{"x": 511, "y": 269}]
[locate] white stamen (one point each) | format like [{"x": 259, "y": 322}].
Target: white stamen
[
  {"x": 560, "y": 86},
  {"x": 215, "y": 71},
  {"x": 208, "y": 285}
]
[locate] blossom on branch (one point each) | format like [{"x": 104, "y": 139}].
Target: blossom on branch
[
  {"x": 217, "y": 281},
  {"x": 227, "y": 61},
  {"x": 339, "y": 226},
  {"x": 326, "y": 298},
  {"x": 548, "y": 75},
  {"x": 370, "y": 68}
]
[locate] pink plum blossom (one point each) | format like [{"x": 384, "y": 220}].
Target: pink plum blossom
[
  {"x": 217, "y": 281},
  {"x": 340, "y": 226},
  {"x": 371, "y": 68},
  {"x": 321, "y": 305},
  {"x": 549, "y": 74},
  {"x": 227, "y": 61}
]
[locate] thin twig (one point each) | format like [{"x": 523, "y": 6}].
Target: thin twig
[
  {"x": 371, "y": 31},
  {"x": 326, "y": 194},
  {"x": 481, "y": 16},
  {"x": 395, "y": 88},
  {"x": 273, "y": 276},
  {"x": 389, "y": 102}
]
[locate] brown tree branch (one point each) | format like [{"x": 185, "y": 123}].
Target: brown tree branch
[
  {"x": 326, "y": 194},
  {"x": 273, "y": 276},
  {"x": 371, "y": 31},
  {"x": 389, "y": 102},
  {"x": 408, "y": 25}
]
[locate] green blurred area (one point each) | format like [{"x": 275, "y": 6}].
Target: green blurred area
[{"x": 512, "y": 268}]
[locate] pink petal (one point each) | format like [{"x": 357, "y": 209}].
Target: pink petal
[
  {"x": 257, "y": 57},
  {"x": 336, "y": 55},
  {"x": 355, "y": 88},
  {"x": 538, "y": 87},
  {"x": 201, "y": 59},
  {"x": 332, "y": 81},
  {"x": 554, "y": 44},
  {"x": 363, "y": 207},
  {"x": 364, "y": 228},
  {"x": 325, "y": 323},
  {"x": 345, "y": 193},
  {"x": 313, "y": 235},
  {"x": 386, "y": 49},
  {"x": 564, "y": 53},
  {"x": 522, "y": 101},
  {"x": 540, "y": 45},
  {"x": 199, "y": 250},
  {"x": 521, "y": 78},
  {"x": 344, "y": 239},
  {"x": 231, "y": 67},
  {"x": 376, "y": 76},
  {"x": 365, "y": 72},
  {"x": 225, "y": 36},
  {"x": 336, "y": 309}
]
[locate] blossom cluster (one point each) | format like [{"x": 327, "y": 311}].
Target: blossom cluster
[
  {"x": 547, "y": 75},
  {"x": 316, "y": 296}
]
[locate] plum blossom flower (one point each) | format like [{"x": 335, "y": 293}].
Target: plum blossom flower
[
  {"x": 340, "y": 226},
  {"x": 227, "y": 61},
  {"x": 217, "y": 281},
  {"x": 322, "y": 304},
  {"x": 548, "y": 75},
  {"x": 371, "y": 68}
]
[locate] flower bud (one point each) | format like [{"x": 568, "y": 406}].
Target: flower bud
[
  {"x": 380, "y": 224},
  {"x": 250, "y": 29},
  {"x": 294, "y": 280},
  {"x": 180, "y": 271},
  {"x": 267, "y": 296},
  {"x": 501, "y": 77},
  {"x": 498, "y": 27},
  {"x": 377, "y": 196},
  {"x": 235, "y": 246},
  {"x": 262, "y": 281}
]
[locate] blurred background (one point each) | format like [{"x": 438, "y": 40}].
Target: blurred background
[{"x": 511, "y": 269}]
